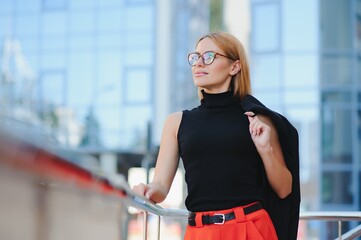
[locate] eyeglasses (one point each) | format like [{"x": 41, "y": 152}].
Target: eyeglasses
[{"x": 207, "y": 57}]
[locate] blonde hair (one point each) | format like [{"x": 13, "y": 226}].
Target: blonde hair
[{"x": 233, "y": 48}]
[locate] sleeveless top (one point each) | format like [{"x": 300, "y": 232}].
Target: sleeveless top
[{"x": 222, "y": 166}]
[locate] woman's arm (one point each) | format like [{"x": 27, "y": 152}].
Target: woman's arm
[
  {"x": 265, "y": 137},
  {"x": 167, "y": 162}
]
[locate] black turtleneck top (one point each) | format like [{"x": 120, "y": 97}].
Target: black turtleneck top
[{"x": 222, "y": 166}]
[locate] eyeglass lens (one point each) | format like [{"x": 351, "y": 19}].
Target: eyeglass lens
[{"x": 207, "y": 57}]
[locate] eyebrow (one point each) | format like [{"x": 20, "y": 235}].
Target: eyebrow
[{"x": 216, "y": 53}]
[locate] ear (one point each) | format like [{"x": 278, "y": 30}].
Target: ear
[{"x": 236, "y": 67}]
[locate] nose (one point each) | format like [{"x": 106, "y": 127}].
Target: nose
[{"x": 199, "y": 62}]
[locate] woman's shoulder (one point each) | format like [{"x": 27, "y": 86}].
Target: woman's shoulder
[
  {"x": 175, "y": 116},
  {"x": 173, "y": 122},
  {"x": 174, "y": 119}
]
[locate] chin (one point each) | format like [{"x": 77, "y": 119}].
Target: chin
[{"x": 200, "y": 83}]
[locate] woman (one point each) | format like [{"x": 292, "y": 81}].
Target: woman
[{"x": 225, "y": 150}]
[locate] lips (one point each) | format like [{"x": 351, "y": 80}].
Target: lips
[{"x": 200, "y": 74}]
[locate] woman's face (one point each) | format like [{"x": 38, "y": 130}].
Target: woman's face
[{"x": 216, "y": 77}]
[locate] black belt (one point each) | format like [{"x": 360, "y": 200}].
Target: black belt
[{"x": 222, "y": 218}]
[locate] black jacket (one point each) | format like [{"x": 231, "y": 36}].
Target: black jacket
[{"x": 284, "y": 212}]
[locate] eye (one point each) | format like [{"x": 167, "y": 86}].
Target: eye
[
  {"x": 208, "y": 57},
  {"x": 193, "y": 58}
]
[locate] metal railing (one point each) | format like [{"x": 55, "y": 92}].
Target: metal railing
[
  {"x": 335, "y": 216},
  {"x": 37, "y": 165}
]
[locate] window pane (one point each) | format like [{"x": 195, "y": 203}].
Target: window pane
[
  {"x": 111, "y": 3},
  {"x": 51, "y": 44},
  {"x": 295, "y": 74},
  {"x": 294, "y": 22},
  {"x": 138, "y": 86},
  {"x": 337, "y": 187},
  {"x": 266, "y": 71},
  {"x": 54, "y": 23},
  {"x": 273, "y": 99},
  {"x": 110, "y": 40},
  {"x": 358, "y": 69},
  {"x": 33, "y": 60},
  {"x": 81, "y": 79},
  {"x": 55, "y": 4},
  {"x": 109, "y": 119},
  {"x": 139, "y": 57},
  {"x": 266, "y": 27},
  {"x": 359, "y": 191},
  {"x": 336, "y": 70},
  {"x": 110, "y": 73},
  {"x": 358, "y": 24},
  {"x": 51, "y": 61},
  {"x": 336, "y": 132},
  {"x": 29, "y": 45},
  {"x": 302, "y": 96},
  {"x": 336, "y": 97},
  {"x": 7, "y": 6},
  {"x": 78, "y": 4},
  {"x": 139, "y": 39},
  {"x": 135, "y": 23},
  {"x": 359, "y": 136},
  {"x": 110, "y": 20},
  {"x": 27, "y": 24},
  {"x": 82, "y": 22},
  {"x": 336, "y": 31},
  {"x": 138, "y": 1},
  {"x": 82, "y": 42},
  {"x": 6, "y": 27},
  {"x": 27, "y": 6},
  {"x": 306, "y": 120}
]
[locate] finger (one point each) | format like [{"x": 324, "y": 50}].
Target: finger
[
  {"x": 253, "y": 129},
  {"x": 140, "y": 188},
  {"x": 149, "y": 193},
  {"x": 250, "y": 115},
  {"x": 253, "y": 125},
  {"x": 257, "y": 127}
]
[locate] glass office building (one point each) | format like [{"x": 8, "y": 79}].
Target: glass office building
[
  {"x": 86, "y": 70},
  {"x": 95, "y": 74},
  {"x": 306, "y": 63},
  {"x": 94, "y": 65}
]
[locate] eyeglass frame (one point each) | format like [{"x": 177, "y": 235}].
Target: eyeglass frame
[{"x": 201, "y": 56}]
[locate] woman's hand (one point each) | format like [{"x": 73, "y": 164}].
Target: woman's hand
[
  {"x": 153, "y": 191},
  {"x": 260, "y": 132},
  {"x": 167, "y": 162},
  {"x": 265, "y": 137}
]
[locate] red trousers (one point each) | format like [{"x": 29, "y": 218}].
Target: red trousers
[{"x": 253, "y": 226}]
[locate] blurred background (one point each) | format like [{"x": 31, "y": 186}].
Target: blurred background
[{"x": 97, "y": 78}]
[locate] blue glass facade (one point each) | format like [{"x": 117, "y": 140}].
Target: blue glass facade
[
  {"x": 96, "y": 65},
  {"x": 93, "y": 58},
  {"x": 306, "y": 64}
]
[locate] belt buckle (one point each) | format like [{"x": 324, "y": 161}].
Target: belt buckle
[{"x": 223, "y": 216}]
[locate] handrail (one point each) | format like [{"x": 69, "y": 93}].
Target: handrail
[
  {"x": 338, "y": 216},
  {"x": 146, "y": 205},
  {"x": 331, "y": 215},
  {"x": 353, "y": 233},
  {"x": 47, "y": 163}
]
